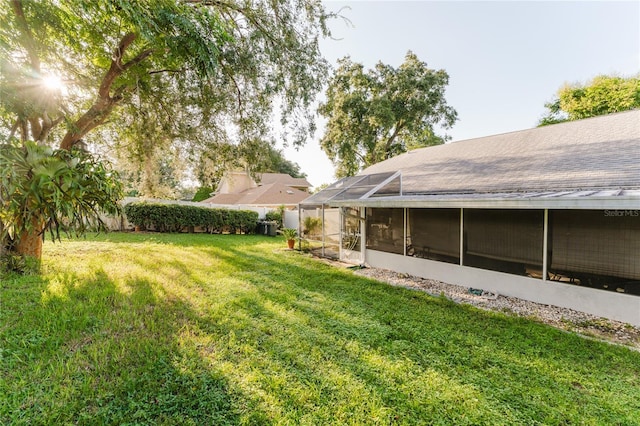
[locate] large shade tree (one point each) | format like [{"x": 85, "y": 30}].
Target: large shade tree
[
  {"x": 376, "y": 114},
  {"x": 143, "y": 76},
  {"x": 600, "y": 96}
]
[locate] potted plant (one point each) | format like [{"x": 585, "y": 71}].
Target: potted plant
[{"x": 289, "y": 235}]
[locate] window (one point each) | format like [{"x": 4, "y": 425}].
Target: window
[
  {"x": 504, "y": 240},
  {"x": 385, "y": 230},
  {"x": 596, "y": 248},
  {"x": 434, "y": 234}
]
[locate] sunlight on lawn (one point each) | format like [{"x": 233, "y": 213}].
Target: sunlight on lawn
[{"x": 210, "y": 329}]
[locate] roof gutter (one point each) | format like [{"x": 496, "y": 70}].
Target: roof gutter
[{"x": 567, "y": 202}]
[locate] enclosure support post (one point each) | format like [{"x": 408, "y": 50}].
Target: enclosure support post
[
  {"x": 461, "y": 237},
  {"x": 404, "y": 235},
  {"x": 300, "y": 227},
  {"x": 323, "y": 229},
  {"x": 363, "y": 234},
  {"x": 545, "y": 245}
]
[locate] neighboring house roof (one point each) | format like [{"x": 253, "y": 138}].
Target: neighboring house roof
[
  {"x": 267, "y": 178},
  {"x": 273, "y": 194},
  {"x": 593, "y": 158},
  {"x": 274, "y": 189},
  {"x": 224, "y": 198}
]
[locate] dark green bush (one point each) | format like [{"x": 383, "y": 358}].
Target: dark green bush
[
  {"x": 177, "y": 218},
  {"x": 276, "y": 216}
]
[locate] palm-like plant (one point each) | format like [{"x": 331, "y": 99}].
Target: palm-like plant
[
  {"x": 42, "y": 189},
  {"x": 289, "y": 233}
]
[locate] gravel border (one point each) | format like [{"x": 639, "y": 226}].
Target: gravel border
[{"x": 566, "y": 319}]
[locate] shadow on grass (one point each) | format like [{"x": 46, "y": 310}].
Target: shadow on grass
[
  {"x": 504, "y": 367},
  {"x": 289, "y": 340},
  {"x": 88, "y": 351}
]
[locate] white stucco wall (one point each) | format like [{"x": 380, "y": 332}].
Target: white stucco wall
[{"x": 616, "y": 306}]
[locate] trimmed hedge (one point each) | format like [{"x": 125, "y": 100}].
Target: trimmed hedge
[{"x": 177, "y": 218}]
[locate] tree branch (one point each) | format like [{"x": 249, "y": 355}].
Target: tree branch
[
  {"x": 393, "y": 136},
  {"x": 237, "y": 9},
  {"x": 48, "y": 124},
  {"x": 23, "y": 130},
  {"x": 28, "y": 41},
  {"x": 235, "y": 83},
  {"x": 116, "y": 68},
  {"x": 14, "y": 128},
  {"x": 165, "y": 70},
  {"x": 105, "y": 103},
  {"x": 36, "y": 127}
]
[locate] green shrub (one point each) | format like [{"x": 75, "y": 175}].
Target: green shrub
[
  {"x": 11, "y": 262},
  {"x": 274, "y": 216},
  {"x": 177, "y": 218},
  {"x": 44, "y": 190}
]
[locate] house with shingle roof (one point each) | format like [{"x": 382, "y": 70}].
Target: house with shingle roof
[
  {"x": 550, "y": 214},
  {"x": 269, "y": 190}
]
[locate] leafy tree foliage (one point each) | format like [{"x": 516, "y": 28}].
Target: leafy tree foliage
[
  {"x": 600, "y": 96},
  {"x": 149, "y": 76},
  {"x": 202, "y": 194},
  {"x": 377, "y": 114},
  {"x": 172, "y": 65},
  {"x": 275, "y": 162}
]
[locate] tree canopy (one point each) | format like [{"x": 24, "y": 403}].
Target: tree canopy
[
  {"x": 600, "y": 96},
  {"x": 376, "y": 114},
  {"x": 141, "y": 78},
  {"x": 276, "y": 162},
  {"x": 177, "y": 68}
]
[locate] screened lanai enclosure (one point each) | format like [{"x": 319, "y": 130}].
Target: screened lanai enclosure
[
  {"x": 550, "y": 214},
  {"x": 337, "y": 232},
  {"x": 583, "y": 247}
]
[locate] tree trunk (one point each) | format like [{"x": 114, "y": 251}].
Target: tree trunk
[
  {"x": 3, "y": 241},
  {"x": 30, "y": 242}
]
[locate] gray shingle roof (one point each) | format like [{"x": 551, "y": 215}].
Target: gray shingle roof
[{"x": 601, "y": 153}]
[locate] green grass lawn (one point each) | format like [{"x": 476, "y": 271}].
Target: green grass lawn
[{"x": 212, "y": 330}]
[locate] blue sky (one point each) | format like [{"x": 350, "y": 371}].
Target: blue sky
[{"x": 504, "y": 59}]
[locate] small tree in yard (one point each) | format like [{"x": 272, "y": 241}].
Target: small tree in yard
[{"x": 42, "y": 189}]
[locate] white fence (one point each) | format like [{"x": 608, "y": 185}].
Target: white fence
[{"x": 291, "y": 219}]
